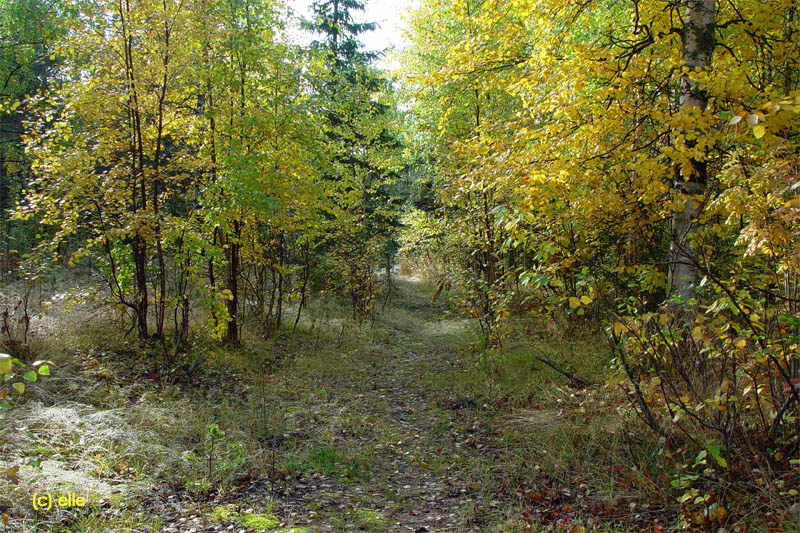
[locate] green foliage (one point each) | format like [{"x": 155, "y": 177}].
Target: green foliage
[
  {"x": 27, "y": 63},
  {"x": 9, "y": 374}
]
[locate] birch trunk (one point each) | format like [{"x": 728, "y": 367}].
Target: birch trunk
[{"x": 698, "y": 47}]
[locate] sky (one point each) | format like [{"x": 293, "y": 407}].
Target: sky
[{"x": 387, "y": 13}]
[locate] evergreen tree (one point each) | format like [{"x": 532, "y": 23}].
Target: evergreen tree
[
  {"x": 355, "y": 100},
  {"x": 333, "y": 19}
]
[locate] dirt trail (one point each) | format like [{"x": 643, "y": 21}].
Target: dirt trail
[
  {"x": 374, "y": 436},
  {"x": 418, "y": 442}
]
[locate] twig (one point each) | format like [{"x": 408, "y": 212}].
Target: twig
[{"x": 572, "y": 377}]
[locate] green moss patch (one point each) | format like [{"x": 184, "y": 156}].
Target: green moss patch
[
  {"x": 256, "y": 521},
  {"x": 370, "y": 519}
]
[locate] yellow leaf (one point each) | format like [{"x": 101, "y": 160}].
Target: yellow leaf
[
  {"x": 12, "y": 472},
  {"x": 759, "y": 131},
  {"x": 20, "y": 387},
  {"x": 574, "y": 302},
  {"x": 5, "y": 363},
  {"x": 586, "y": 300},
  {"x": 619, "y": 328},
  {"x": 740, "y": 343}
]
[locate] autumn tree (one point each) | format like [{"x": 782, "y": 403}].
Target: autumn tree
[
  {"x": 462, "y": 119},
  {"x": 178, "y": 149},
  {"x": 108, "y": 159},
  {"x": 599, "y": 99},
  {"x": 633, "y": 189}
]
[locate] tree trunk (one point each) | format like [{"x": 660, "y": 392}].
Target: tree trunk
[
  {"x": 232, "y": 282},
  {"x": 137, "y": 176},
  {"x": 306, "y": 271},
  {"x": 789, "y": 67},
  {"x": 140, "y": 262},
  {"x": 281, "y": 256},
  {"x": 161, "y": 305},
  {"x": 5, "y": 203},
  {"x": 182, "y": 326},
  {"x": 698, "y": 48}
]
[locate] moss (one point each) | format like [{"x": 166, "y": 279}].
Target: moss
[
  {"x": 370, "y": 519},
  {"x": 256, "y": 521},
  {"x": 224, "y": 512}
]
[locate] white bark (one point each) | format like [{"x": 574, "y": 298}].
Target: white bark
[{"x": 698, "y": 48}]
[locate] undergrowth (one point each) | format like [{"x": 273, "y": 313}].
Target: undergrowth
[{"x": 537, "y": 448}]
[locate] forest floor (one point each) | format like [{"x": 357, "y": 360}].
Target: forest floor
[{"x": 392, "y": 426}]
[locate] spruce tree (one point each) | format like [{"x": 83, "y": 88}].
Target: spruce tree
[{"x": 361, "y": 148}]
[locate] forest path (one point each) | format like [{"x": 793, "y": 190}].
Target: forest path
[
  {"x": 363, "y": 429},
  {"x": 399, "y": 449}
]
